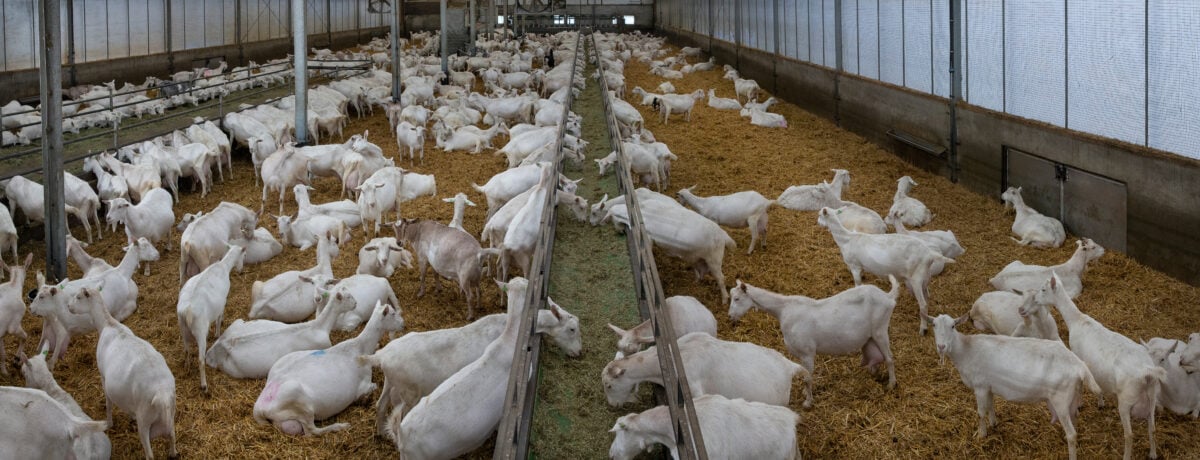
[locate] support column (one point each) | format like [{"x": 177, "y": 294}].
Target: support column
[
  {"x": 237, "y": 31},
  {"x": 445, "y": 45},
  {"x": 300, "y": 54},
  {"x": 328, "y": 24},
  {"x": 955, "y": 82},
  {"x": 71, "y": 40},
  {"x": 52, "y": 164},
  {"x": 396, "y": 65},
  {"x": 168, "y": 33},
  {"x": 471, "y": 17},
  {"x": 837, "y": 61},
  {"x": 491, "y": 19}
]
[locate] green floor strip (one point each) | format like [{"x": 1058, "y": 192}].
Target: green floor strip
[{"x": 591, "y": 277}]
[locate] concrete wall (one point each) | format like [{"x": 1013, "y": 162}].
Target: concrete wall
[
  {"x": 24, "y": 83},
  {"x": 1163, "y": 189}
]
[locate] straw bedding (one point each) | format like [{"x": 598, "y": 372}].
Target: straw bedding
[{"x": 931, "y": 413}]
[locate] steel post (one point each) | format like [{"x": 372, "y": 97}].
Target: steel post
[
  {"x": 71, "y": 40},
  {"x": 395, "y": 15},
  {"x": 445, "y": 45},
  {"x": 471, "y": 17},
  {"x": 955, "y": 82},
  {"x": 300, "y": 54},
  {"x": 52, "y": 164}
]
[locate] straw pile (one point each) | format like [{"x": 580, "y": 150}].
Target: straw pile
[
  {"x": 220, "y": 425},
  {"x": 931, "y": 414}
]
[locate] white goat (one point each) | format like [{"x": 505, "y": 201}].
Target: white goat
[
  {"x": 1021, "y": 277},
  {"x": 152, "y": 218},
  {"x": 304, "y": 233},
  {"x": 202, "y": 304},
  {"x": 344, "y": 210},
  {"x": 12, "y": 308},
  {"x": 412, "y": 137},
  {"x": 942, "y": 241},
  {"x": 669, "y": 104},
  {"x": 854, "y": 320},
  {"x": 722, "y": 103},
  {"x": 737, "y": 210},
  {"x": 1022, "y": 370},
  {"x": 45, "y": 428},
  {"x": 37, "y": 375},
  {"x": 247, "y": 349},
  {"x": 1012, "y": 314},
  {"x": 283, "y": 170},
  {"x": 713, "y": 366},
  {"x": 461, "y": 202},
  {"x": 902, "y": 256},
  {"x": 815, "y": 197},
  {"x": 908, "y": 210},
  {"x": 1120, "y": 365},
  {"x": 8, "y": 234},
  {"x": 687, "y": 315},
  {"x": 463, "y": 412},
  {"x": 134, "y": 375},
  {"x": 305, "y": 386},
  {"x": 1034, "y": 228},
  {"x": 366, "y": 290},
  {"x": 1181, "y": 391},
  {"x": 417, "y": 363},
  {"x": 286, "y": 297},
  {"x": 381, "y": 257},
  {"x": 733, "y": 428}
]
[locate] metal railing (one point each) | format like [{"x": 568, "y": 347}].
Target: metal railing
[
  {"x": 221, "y": 112},
  {"x": 512, "y": 437},
  {"x": 689, "y": 443}
]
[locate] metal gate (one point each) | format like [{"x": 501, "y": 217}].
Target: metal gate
[{"x": 1089, "y": 205}]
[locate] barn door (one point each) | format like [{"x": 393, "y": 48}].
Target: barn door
[{"x": 1088, "y": 205}]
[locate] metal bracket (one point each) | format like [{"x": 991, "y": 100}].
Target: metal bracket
[{"x": 1060, "y": 172}]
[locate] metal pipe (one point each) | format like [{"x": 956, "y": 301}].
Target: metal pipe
[
  {"x": 71, "y": 40},
  {"x": 51, "y": 98},
  {"x": 471, "y": 16},
  {"x": 445, "y": 41},
  {"x": 395, "y": 15},
  {"x": 328, "y": 24},
  {"x": 491, "y": 19},
  {"x": 167, "y": 32},
  {"x": 955, "y": 83},
  {"x": 300, "y": 54},
  {"x": 237, "y": 31}
]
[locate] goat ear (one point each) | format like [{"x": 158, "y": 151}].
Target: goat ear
[
  {"x": 962, "y": 319},
  {"x": 618, "y": 330},
  {"x": 554, "y": 309},
  {"x": 28, "y": 260}
]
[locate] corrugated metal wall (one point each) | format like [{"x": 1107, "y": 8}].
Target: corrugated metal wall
[
  {"x": 108, "y": 29},
  {"x": 1123, "y": 69}
]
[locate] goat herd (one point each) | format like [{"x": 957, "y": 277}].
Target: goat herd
[{"x": 443, "y": 390}]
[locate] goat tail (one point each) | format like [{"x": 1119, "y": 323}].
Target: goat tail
[
  {"x": 478, "y": 188},
  {"x": 895, "y": 292},
  {"x": 368, "y": 360}
]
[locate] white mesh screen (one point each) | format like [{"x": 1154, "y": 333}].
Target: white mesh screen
[
  {"x": 829, "y": 29},
  {"x": 918, "y": 62},
  {"x": 20, "y": 34},
  {"x": 1175, "y": 77},
  {"x": 702, "y": 18},
  {"x": 1106, "y": 49},
  {"x": 787, "y": 29},
  {"x": 891, "y": 41},
  {"x": 816, "y": 31},
  {"x": 984, "y": 60},
  {"x": 850, "y": 35},
  {"x": 1035, "y": 55},
  {"x": 941, "y": 47},
  {"x": 868, "y": 38},
  {"x": 802, "y": 34}
]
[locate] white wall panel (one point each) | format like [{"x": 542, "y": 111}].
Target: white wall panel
[
  {"x": 1174, "y": 77},
  {"x": 868, "y": 38},
  {"x": 941, "y": 47},
  {"x": 828, "y": 32},
  {"x": 984, "y": 59},
  {"x": 850, "y": 35},
  {"x": 816, "y": 32},
  {"x": 19, "y": 34},
  {"x": 891, "y": 41},
  {"x": 918, "y": 57},
  {"x": 1106, "y": 58},
  {"x": 1035, "y": 54}
]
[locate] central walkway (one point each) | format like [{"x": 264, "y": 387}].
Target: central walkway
[{"x": 591, "y": 277}]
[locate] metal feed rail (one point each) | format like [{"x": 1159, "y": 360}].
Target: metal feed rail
[
  {"x": 689, "y": 442},
  {"x": 512, "y": 436}
]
